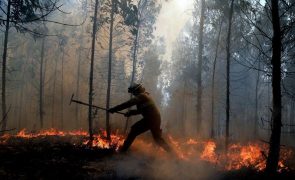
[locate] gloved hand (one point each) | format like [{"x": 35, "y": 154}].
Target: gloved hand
[
  {"x": 112, "y": 110},
  {"x": 128, "y": 114}
]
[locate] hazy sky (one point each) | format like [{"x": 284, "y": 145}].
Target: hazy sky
[{"x": 173, "y": 16}]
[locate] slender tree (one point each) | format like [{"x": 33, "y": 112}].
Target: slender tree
[
  {"x": 80, "y": 41},
  {"x": 256, "y": 100},
  {"x": 53, "y": 94},
  {"x": 199, "y": 70},
  {"x": 62, "y": 89},
  {"x": 110, "y": 70},
  {"x": 213, "y": 81},
  {"x": 78, "y": 79},
  {"x": 228, "y": 73},
  {"x": 90, "y": 95},
  {"x": 3, "y": 94},
  {"x": 274, "y": 146},
  {"x": 41, "y": 85},
  {"x": 141, "y": 4}
]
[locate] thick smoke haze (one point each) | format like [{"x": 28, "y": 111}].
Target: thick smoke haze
[{"x": 172, "y": 18}]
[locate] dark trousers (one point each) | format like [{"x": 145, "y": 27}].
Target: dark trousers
[{"x": 141, "y": 127}]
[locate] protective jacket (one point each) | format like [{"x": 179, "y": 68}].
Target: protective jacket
[
  {"x": 145, "y": 106},
  {"x": 151, "y": 119}
]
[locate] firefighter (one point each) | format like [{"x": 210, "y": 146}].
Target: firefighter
[{"x": 151, "y": 117}]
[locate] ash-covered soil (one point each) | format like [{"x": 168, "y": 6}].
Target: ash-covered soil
[
  {"x": 65, "y": 158},
  {"x": 46, "y": 158}
]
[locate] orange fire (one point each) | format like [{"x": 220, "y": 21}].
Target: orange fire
[
  {"x": 101, "y": 141},
  {"x": 50, "y": 132},
  {"x": 251, "y": 155},
  {"x": 209, "y": 152}
]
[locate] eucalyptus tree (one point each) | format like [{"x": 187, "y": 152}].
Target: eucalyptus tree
[
  {"x": 80, "y": 51},
  {"x": 43, "y": 29},
  {"x": 63, "y": 40},
  {"x": 199, "y": 67},
  {"x": 90, "y": 94},
  {"x": 228, "y": 54},
  {"x": 113, "y": 5},
  {"x": 213, "y": 80}
]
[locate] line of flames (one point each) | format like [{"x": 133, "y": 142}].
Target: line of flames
[
  {"x": 251, "y": 155},
  {"x": 238, "y": 156}
]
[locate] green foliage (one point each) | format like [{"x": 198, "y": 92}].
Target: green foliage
[
  {"x": 125, "y": 8},
  {"x": 129, "y": 12},
  {"x": 27, "y": 11}
]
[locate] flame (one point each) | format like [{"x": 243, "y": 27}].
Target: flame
[
  {"x": 100, "y": 141},
  {"x": 209, "y": 152},
  {"x": 50, "y": 132},
  {"x": 251, "y": 155}
]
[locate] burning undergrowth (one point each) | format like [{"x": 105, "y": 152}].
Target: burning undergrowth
[
  {"x": 77, "y": 138},
  {"x": 249, "y": 155},
  {"x": 189, "y": 154}
]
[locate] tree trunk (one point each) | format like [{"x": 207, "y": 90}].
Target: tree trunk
[
  {"x": 199, "y": 71},
  {"x": 108, "y": 128},
  {"x": 90, "y": 95},
  {"x": 228, "y": 73},
  {"x": 256, "y": 102},
  {"x": 41, "y": 85},
  {"x": 22, "y": 90},
  {"x": 274, "y": 146},
  {"x": 269, "y": 102},
  {"x": 292, "y": 116},
  {"x": 20, "y": 112},
  {"x": 183, "y": 118},
  {"x": 53, "y": 95},
  {"x": 213, "y": 82},
  {"x": 62, "y": 89},
  {"x": 78, "y": 86},
  {"x": 4, "y": 113},
  {"x": 134, "y": 61}
]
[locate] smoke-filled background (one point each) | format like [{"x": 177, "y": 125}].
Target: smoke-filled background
[
  {"x": 48, "y": 61},
  {"x": 221, "y": 73}
]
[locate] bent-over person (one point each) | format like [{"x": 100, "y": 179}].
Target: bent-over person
[{"x": 151, "y": 117}]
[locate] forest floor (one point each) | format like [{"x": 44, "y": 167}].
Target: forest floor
[{"x": 59, "y": 158}]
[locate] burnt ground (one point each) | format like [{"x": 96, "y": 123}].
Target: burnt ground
[{"x": 58, "y": 158}]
